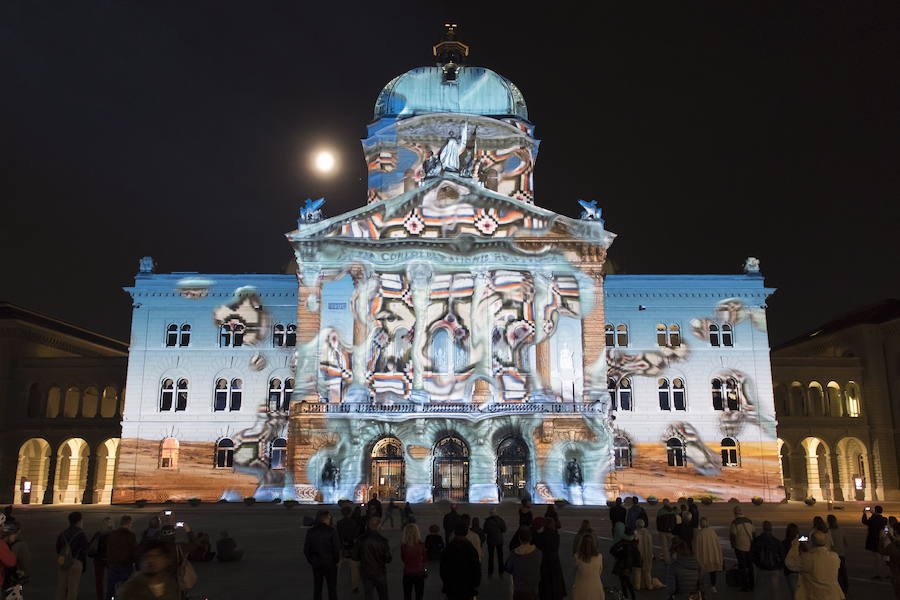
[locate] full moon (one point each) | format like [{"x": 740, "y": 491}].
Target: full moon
[{"x": 324, "y": 161}]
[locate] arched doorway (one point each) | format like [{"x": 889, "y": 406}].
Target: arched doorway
[
  {"x": 388, "y": 472},
  {"x": 451, "y": 470},
  {"x": 107, "y": 453},
  {"x": 33, "y": 467},
  {"x": 71, "y": 471},
  {"x": 512, "y": 469},
  {"x": 854, "y": 476}
]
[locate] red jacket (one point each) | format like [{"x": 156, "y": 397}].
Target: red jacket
[
  {"x": 7, "y": 558},
  {"x": 414, "y": 558}
]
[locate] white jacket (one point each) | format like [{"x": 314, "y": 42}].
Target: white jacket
[{"x": 818, "y": 570}]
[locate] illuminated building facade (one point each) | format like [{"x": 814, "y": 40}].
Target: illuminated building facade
[{"x": 450, "y": 339}]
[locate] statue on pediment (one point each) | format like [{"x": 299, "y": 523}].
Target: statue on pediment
[
  {"x": 146, "y": 264},
  {"x": 311, "y": 211},
  {"x": 751, "y": 265},
  {"x": 590, "y": 211},
  {"x": 449, "y": 154}
]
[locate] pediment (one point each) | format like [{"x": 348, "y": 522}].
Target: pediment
[{"x": 451, "y": 207}]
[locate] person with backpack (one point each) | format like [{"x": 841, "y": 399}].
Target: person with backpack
[
  {"x": 741, "y": 534},
  {"x": 71, "y": 557},
  {"x": 628, "y": 557},
  {"x": 767, "y": 554},
  {"x": 322, "y": 549}
]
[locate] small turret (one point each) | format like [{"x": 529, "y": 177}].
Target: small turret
[{"x": 450, "y": 53}]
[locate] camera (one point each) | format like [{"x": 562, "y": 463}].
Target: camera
[
  {"x": 804, "y": 538},
  {"x": 179, "y": 524}
]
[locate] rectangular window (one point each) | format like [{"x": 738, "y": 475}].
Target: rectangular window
[
  {"x": 235, "y": 400},
  {"x": 680, "y": 404},
  {"x": 221, "y": 400},
  {"x": 664, "y": 400},
  {"x": 181, "y": 402},
  {"x": 337, "y": 306}
]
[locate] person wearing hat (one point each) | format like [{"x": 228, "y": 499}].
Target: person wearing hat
[{"x": 818, "y": 570}]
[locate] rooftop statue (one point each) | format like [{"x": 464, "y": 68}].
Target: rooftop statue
[
  {"x": 591, "y": 211},
  {"x": 311, "y": 211},
  {"x": 751, "y": 265},
  {"x": 449, "y": 155},
  {"x": 146, "y": 264}
]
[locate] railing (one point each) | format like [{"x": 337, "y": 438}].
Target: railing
[{"x": 449, "y": 408}]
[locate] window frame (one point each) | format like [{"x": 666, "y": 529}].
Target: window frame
[
  {"x": 277, "y": 449},
  {"x": 184, "y": 335},
  {"x": 729, "y": 452},
  {"x": 224, "y": 459},
  {"x": 161, "y": 404},
  {"x": 664, "y": 392},
  {"x": 675, "y": 452},
  {"x": 679, "y": 392},
  {"x": 622, "y": 452},
  {"x": 278, "y": 335},
  {"x": 171, "y": 340}
]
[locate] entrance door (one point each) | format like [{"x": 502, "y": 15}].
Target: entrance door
[
  {"x": 512, "y": 474},
  {"x": 388, "y": 474},
  {"x": 451, "y": 470}
]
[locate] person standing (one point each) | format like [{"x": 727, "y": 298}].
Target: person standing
[
  {"x": 121, "y": 551},
  {"x": 635, "y": 512},
  {"x": 684, "y": 578},
  {"x": 494, "y": 528},
  {"x": 839, "y": 546},
  {"x": 8, "y": 532},
  {"x": 12, "y": 535},
  {"x": 392, "y": 510},
  {"x": 526, "y": 518},
  {"x": 348, "y": 530},
  {"x": 460, "y": 567},
  {"x": 695, "y": 513},
  {"x": 665, "y": 524},
  {"x": 685, "y": 530},
  {"x": 71, "y": 556},
  {"x": 891, "y": 549},
  {"x": 373, "y": 508},
  {"x": 412, "y": 552},
  {"x": 473, "y": 535},
  {"x": 741, "y": 535},
  {"x": 551, "y": 514},
  {"x": 875, "y": 524},
  {"x": 408, "y": 515},
  {"x": 643, "y": 578},
  {"x": 818, "y": 569},
  {"x": 617, "y": 514},
  {"x": 791, "y": 533},
  {"x": 373, "y": 554},
  {"x": 546, "y": 538},
  {"x": 708, "y": 552},
  {"x": 97, "y": 551},
  {"x": 583, "y": 530},
  {"x": 819, "y": 525},
  {"x": 524, "y": 567},
  {"x": 628, "y": 557},
  {"x": 322, "y": 549},
  {"x": 451, "y": 520},
  {"x": 767, "y": 555},
  {"x": 588, "y": 568},
  {"x": 434, "y": 543},
  {"x": 155, "y": 579}
]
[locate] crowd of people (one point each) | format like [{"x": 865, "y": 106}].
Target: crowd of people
[{"x": 797, "y": 566}]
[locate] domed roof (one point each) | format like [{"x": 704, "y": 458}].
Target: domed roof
[{"x": 476, "y": 91}]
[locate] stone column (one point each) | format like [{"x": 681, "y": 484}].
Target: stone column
[
  {"x": 593, "y": 343},
  {"x": 87, "y": 496},
  {"x": 480, "y": 342},
  {"x": 419, "y": 275},
  {"x": 365, "y": 283},
  {"x": 50, "y": 490},
  {"x": 309, "y": 317},
  {"x": 541, "y": 379},
  {"x": 813, "y": 487}
]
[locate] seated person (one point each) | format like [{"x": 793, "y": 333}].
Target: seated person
[
  {"x": 227, "y": 549},
  {"x": 202, "y": 551}
]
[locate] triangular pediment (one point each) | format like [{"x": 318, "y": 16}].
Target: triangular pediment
[{"x": 450, "y": 207}]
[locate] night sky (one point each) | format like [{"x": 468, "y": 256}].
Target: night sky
[{"x": 706, "y": 132}]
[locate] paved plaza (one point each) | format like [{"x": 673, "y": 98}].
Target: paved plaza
[{"x": 275, "y": 569}]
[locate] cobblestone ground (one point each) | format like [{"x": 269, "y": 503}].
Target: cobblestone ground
[{"x": 275, "y": 569}]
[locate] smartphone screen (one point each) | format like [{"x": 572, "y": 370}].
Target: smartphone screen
[
  {"x": 168, "y": 513},
  {"x": 804, "y": 538},
  {"x": 179, "y": 524}
]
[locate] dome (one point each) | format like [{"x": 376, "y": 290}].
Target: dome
[{"x": 476, "y": 91}]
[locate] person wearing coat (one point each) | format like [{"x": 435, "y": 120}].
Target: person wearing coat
[
  {"x": 588, "y": 568},
  {"x": 322, "y": 549},
  {"x": 460, "y": 567},
  {"x": 627, "y": 556},
  {"x": 818, "y": 569},
  {"x": 708, "y": 552},
  {"x": 875, "y": 524},
  {"x": 494, "y": 528},
  {"x": 642, "y": 578},
  {"x": 546, "y": 538}
]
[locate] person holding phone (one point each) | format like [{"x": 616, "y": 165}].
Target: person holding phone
[
  {"x": 875, "y": 524},
  {"x": 891, "y": 549},
  {"x": 818, "y": 569}
]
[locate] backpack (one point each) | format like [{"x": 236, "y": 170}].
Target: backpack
[
  {"x": 66, "y": 559},
  {"x": 187, "y": 576},
  {"x": 767, "y": 557}
]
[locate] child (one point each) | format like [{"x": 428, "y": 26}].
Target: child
[{"x": 434, "y": 543}]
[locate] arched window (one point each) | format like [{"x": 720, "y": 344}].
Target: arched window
[
  {"x": 224, "y": 453},
  {"x": 166, "y": 394},
  {"x": 171, "y": 335},
  {"x": 621, "y": 394},
  {"x": 816, "y": 399},
  {"x": 34, "y": 401},
  {"x": 661, "y": 335},
  {"x": 290, "y": 336},
  {"x": 679, "y": 396},
  {"x": 853, "y": 401},
  {"x": 718, "y": 394},
  {"x": 53, "y": 398},
  {"x": 181, "y": 396},
  {"x": 168, "y": 454},
  {"x": 782, "y": 406},
  {"x": 228, "y": 395},
  {"x": 185, "y": 338},
  {"x": 231, "y": 334},
  {"x": 278, "y": 335},
  {"x": 622, "y": 336},
  {"x": 280, "y": 394},
  {"x": 727, "y": 335},
  {"x": 447, "y": 356},
  {"x": 834, "y": 397},
  {"x": 70, "y": 406},
  {"x": 729, "y": 453},
  {"x": 668, "y": 335},
  {"x": 675, "y": 452},
  {"x": 622, "y": 452},
  {"x": 798, "y": 400},
  {"x": 610, "y": 336},
  {"x": 90, "y": 402},
  {"x": 278, "y": 453},
  {"x": 714, "y": 335},
  {"x": 665, "y": 402},
  {"x": 109, "y": 402}
]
